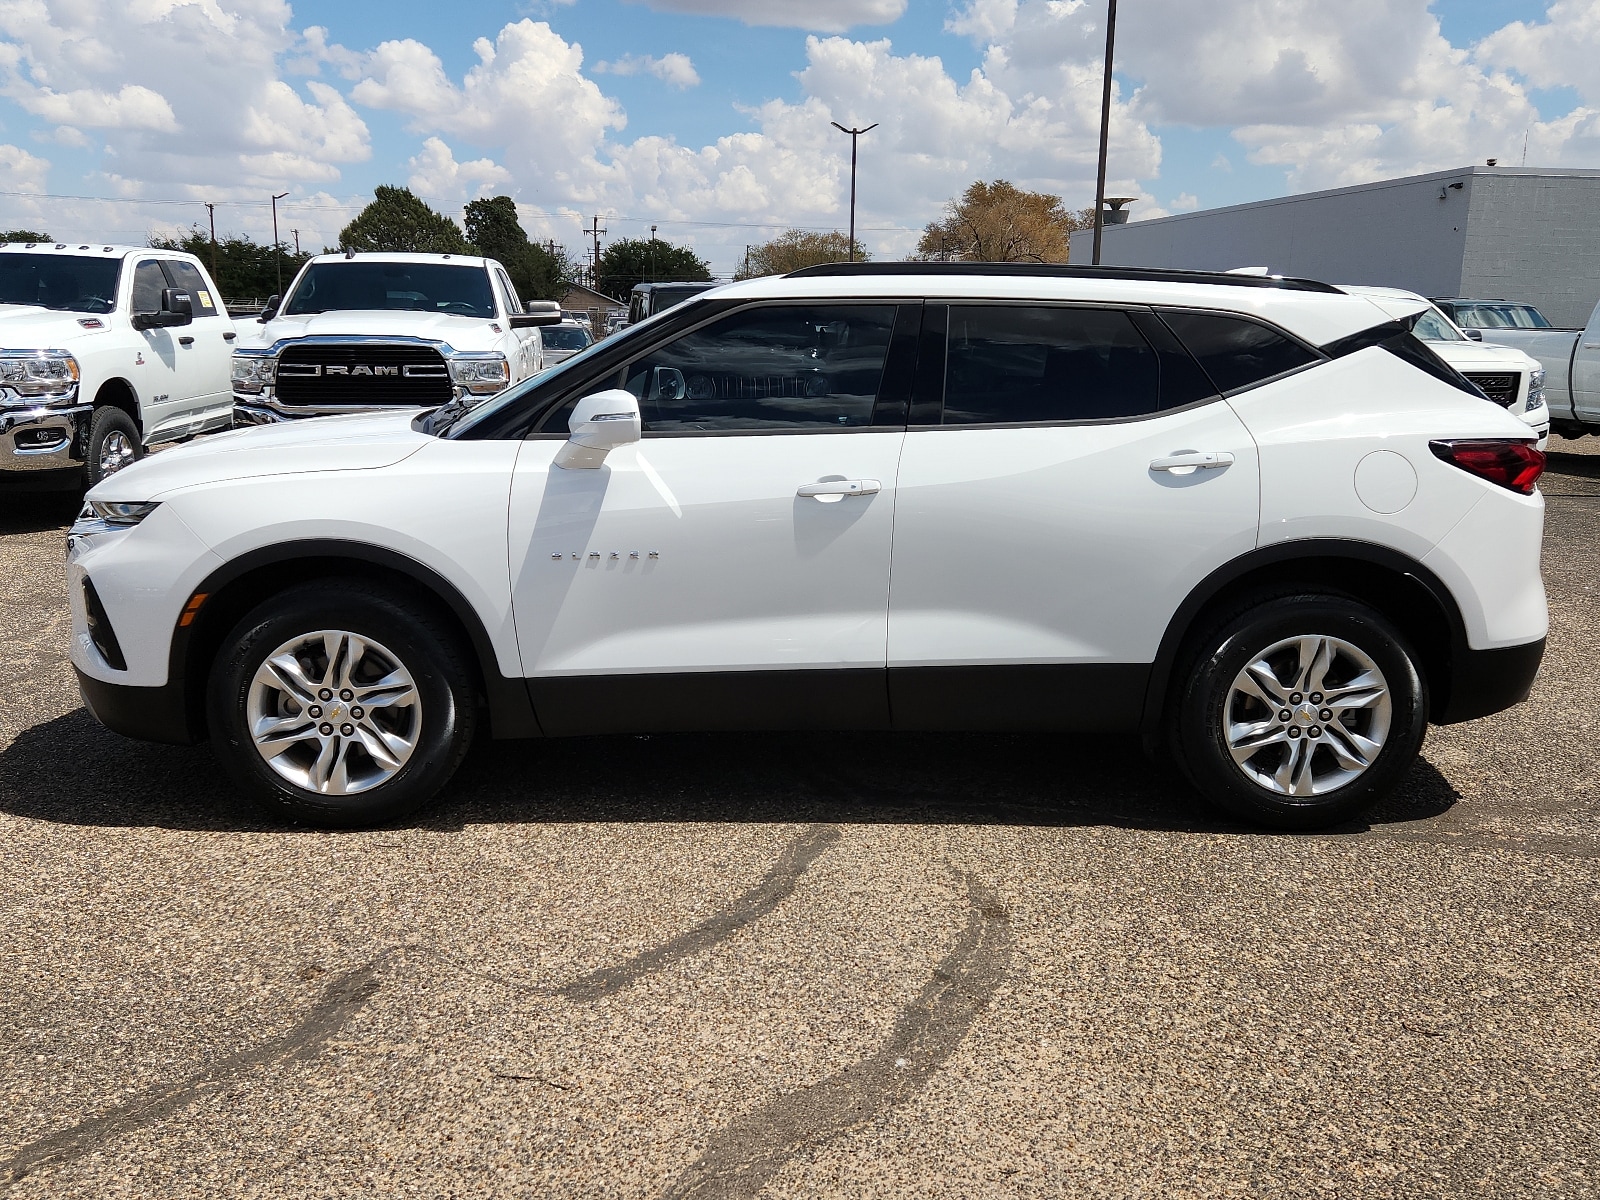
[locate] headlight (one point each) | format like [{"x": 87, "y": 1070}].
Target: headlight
[
  {"x": 1535, "y": 390},
  {"x": 45, "y": 374},
  {"x": 105, "y": 516},
  {"x": 253, "y": 372},
  {"x": 481, "y": 375}
]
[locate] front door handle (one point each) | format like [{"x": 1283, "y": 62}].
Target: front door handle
[
  {"x": 1189, "y": 461},
  {"x": 186, "y": 340},
  {"x": 834, "y": 490}
]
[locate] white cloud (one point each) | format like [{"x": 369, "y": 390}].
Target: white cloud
[
  {"x": 1184, "y": 202},
  {"x": 435, "y": 172},
  {"x": 134, "y": 107},
  {"x": 1563, "y": 50},
  {"x": 827, "y": 16},
  {"x": 673, "y": 69},
  {"x": 21, "y": 171}
]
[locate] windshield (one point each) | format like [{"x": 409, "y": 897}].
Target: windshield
[
  {"x": 558, "y": 337},
  {"x": 398, "y": 286},
  {"x": 1487, "y": 315},
  {"x": 62, "y": 282},
  {"x": 1432, "y": 326}
]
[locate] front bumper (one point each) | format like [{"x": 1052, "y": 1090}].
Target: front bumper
[
  {"x": 151, "y": 714},
  {"x": 1488, "y": 681},
  {"x": 43, "y": 438}
]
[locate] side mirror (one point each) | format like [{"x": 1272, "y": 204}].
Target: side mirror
[
  {"x": 666, "y": 383},
  {"x": 270, "y": 311},
  {"x": 599, "y": 424},
  {"x": 176, "y": 306},
  {"x": 1475, "y": 334}
]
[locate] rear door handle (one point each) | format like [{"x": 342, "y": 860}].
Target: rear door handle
[
  {"x": 834, "y": 490},
  {"x": 1189, "y": 461}
]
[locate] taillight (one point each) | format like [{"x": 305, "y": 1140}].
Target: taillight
[{"x": 1512, "y": 464}]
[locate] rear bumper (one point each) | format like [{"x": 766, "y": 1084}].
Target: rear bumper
[
  {"x": 151, "y": 714},
  {"x": 1488, "y": 681}
]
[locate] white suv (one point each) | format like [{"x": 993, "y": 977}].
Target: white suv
[{"x": 1254, "y": 520}]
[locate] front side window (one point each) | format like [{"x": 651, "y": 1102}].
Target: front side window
[
  {"x": 148, "y": 282},
  {"x": 785, "y": 367},
  {"x": 1236, "y": 352},
  {"x": 403, "y": 286},
  {"x": 186, "y": 276},
  {"x": 63, "y": 282},
  {"x": 1027, "y": 364}
]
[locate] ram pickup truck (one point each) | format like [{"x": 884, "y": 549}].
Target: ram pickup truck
[
  {"x": 362, "y": 332},
  {"x": 105, "y": 351},
  {"x": 1571, "y": 362},
  {"x": 1513, "y": 380}
]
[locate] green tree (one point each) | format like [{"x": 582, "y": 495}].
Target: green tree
[
  {"x": 243, "y": 269},
  {"x": 539, "y": 273},
  {"x": 796, "y": 248},
  {"x": 999, "y": 222},
  {"x": 647, "y": 260},
  {"x": 397, "y": 220},
  {"x": 24, "y": 235}
]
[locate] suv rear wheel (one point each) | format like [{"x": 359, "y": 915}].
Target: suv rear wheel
[
  {"x": 340, "y": 705},
  {"x": 1299, "y": 711}
]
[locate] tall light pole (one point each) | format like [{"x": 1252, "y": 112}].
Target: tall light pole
[
  {"x": 1105, "y": 130},
  {"x": 854, "y": 134},
  {"x": 277, "y": 246}
]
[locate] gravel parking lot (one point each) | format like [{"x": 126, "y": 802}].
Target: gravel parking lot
[{"x": 798, "y": 966}]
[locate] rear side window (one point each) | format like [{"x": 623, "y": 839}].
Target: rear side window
[
  {"x": 1027, "y": 364},
  {"x": 1234, "y": 351},
  {"x": 185, "y": 276}
]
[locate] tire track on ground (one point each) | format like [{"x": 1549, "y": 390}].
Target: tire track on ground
[
  {"x": 748, "y": 1151},
  {"x": 340, "y": 1002}
]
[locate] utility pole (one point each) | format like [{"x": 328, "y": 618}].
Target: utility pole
[
  {"x": 652, "y": 254},
  {"x": 1105, "y": 130},
  {"x": 210, "y": 210},
  {"x": 594, "y": 231},
  {"x": 854, "y": 134},
  {"x": 277, "y": 246},
  {"x": 296, "y": 233}
]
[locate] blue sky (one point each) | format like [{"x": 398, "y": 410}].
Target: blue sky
[{"x": 711, "y": 118}]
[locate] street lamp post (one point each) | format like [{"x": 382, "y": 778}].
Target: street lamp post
[
  {"x": 1105, "y": 130},
  {"x": 277, "y": 246},
  {"x": 854, "y": 134}
]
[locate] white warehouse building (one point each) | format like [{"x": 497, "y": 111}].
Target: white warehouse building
[{"x": 1514, "y": 233}]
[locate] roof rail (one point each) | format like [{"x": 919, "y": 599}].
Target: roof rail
[{"x": 1060, "y": 271}]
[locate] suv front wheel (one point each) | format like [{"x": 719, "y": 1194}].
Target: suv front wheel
[
  {"x": 1299, "y": 711},
  {"x": 339, "y": 705}
]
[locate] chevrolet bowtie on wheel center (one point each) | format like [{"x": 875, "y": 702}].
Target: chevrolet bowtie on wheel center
[{"x": 1255, "y": 521}]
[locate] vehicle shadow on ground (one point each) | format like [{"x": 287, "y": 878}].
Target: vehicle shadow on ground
[
  {"x": 29, "y": 511},
  {"x": 72, "y": 771}
]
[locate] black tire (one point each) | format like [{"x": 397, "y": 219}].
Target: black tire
[
  {"x": 406, "y": 630},
  {"x": 1197, "y": 716},
  {"x": 109, "y": 429}
]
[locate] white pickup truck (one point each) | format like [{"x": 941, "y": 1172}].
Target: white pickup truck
[
  {"x": 105, "y": 351},
  {"x": 1512, "y": 379},
  {"x": 358, "y": 332},
  {"x": 1571, "y": 361}
]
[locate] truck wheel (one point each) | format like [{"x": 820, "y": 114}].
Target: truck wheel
[
  {"x": 341, "y": 705},
  {"x": 113, "y": 443},
  {"x": 1298, "y": 711}
]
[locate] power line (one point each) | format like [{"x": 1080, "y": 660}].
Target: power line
[{"x": 543, "y": 212}]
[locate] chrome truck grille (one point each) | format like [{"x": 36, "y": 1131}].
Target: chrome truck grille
[
  {"x": 362, "y": 376},
  {"x": 1501, "y": 387}
]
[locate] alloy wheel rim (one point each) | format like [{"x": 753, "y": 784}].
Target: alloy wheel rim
[
  {"x": 334, "y": 713},
  {"x": 1307, "y": 716},
  {"x": 116, "y": 452}
]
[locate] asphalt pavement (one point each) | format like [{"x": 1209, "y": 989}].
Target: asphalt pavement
[{"x": 857, "y": 966}]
